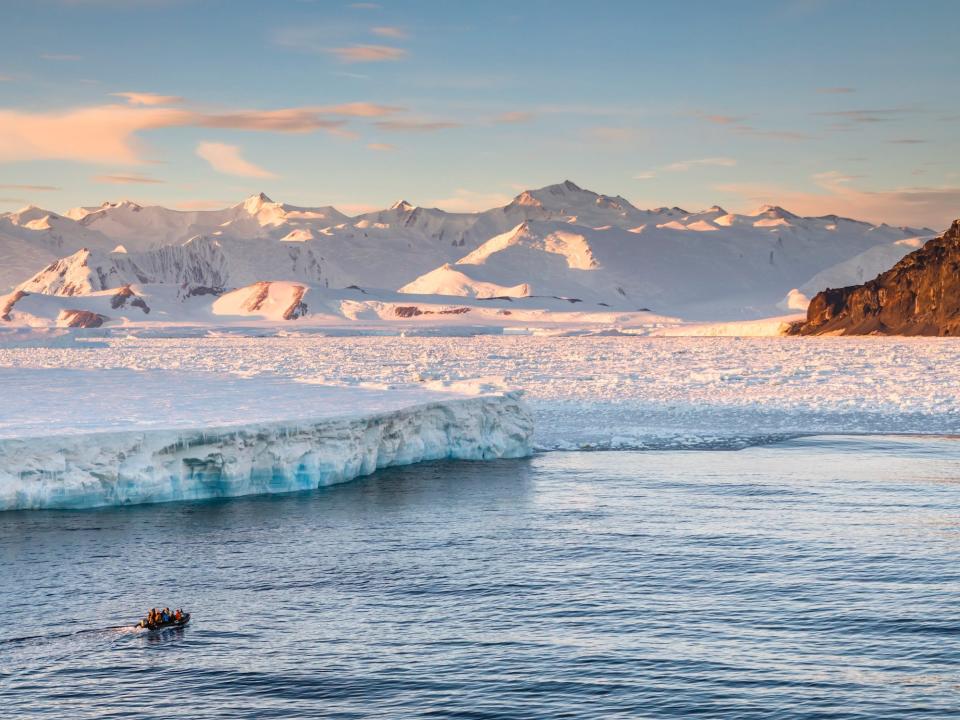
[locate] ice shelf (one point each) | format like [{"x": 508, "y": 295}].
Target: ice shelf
[{"x": 87, "y": 438}]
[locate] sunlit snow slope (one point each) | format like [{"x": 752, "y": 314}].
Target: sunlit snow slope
[{"x": 559, "y": 241}]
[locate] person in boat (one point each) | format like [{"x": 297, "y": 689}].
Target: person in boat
[{"x": 178, "y": 615}]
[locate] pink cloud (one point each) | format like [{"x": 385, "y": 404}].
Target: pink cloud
[
  {"x": 126, "y": 179},
  {"x": 103, "y": 134},
  {"x": 415, "y": 125},
  {"x": 227, "y": 159},
  {"x": 142, "y": 98},
  {"x": 381, "y": 147},
  {"x": 107, "y": 134},
  {"x": 368, "y": 53},
  {"x": 389, "y": 31},
  {"x": 514, "y": 116}
]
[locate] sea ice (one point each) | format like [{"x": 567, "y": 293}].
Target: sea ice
[{"x": 81, "y": 438}]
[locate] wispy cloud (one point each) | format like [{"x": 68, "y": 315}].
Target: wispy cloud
[
  {"x": 365, "y": 6},
  {"x": 772, "y": 134},
  {"x": 513, "y": 117},
  {"x": 108, "y": 134},
  {"x": 416, "y": 126},
  {"x": 648, "y": 175},
  {"x": 151, "y": 99},
  {"x": 390, "y": 32},
  {"x": 381, "y": 147},
  {"x": 717, "y": 119},
  {"x": 368, "y": 53},
  {"x": 227, "y": 159},
  {"x": 59, "y": 57},
  {"x": 34, "y": 188},
  {"x": 102, "y": 135},
  {"x": 6, "y": 78},
  {"x": 836, "y": 90},
  {"x": 685, "y": 165},
  {"x": 906, "y": 141},
  {"x": 868, "y": 116},
  {"x": 126, "y": 179}
]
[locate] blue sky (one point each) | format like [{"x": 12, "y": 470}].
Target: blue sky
[{"x": 818, "y": 105}]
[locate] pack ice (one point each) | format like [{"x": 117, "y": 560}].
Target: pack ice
[{"x": 72, "y": 439}]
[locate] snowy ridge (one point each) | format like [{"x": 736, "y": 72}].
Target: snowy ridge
[
  {"x": 333, "y": 435},
  {"x": 556, "y": 241}
]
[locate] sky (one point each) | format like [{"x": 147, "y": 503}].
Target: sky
[{"x": 821, "y": 106}]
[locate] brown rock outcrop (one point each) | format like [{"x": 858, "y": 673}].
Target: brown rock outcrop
[{"x": 920, "y": 295}]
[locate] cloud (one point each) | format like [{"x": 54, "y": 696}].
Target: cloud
[
  {"x": 469, "y": 201},
  {"x": 360, "y": 109},
  {"x": 648, "y": 175},
  {"x": 35, "y": 188},
  {"x": 415, "y": 125},
  {"x": 381, "y": 147},
  {"x": 721, "y": 119},
  {"x": 103, "y": 135},
  {"x": 390, "y": 32},
  {"x": 514, "y": 116},
  {"x": 867, "y": 116},
  {"x": 108, "y": 134},
  {"x": 836, "y": 90},
  {"x": 226, "y": 159},
  {"x": 774, "y": 134},
  {"x": 365, "y": 6},
  {"x": 906, "y": 141},
  {"x": 287, "y": 120},
  {"x": 933, "y": 207},
  {"x": 6, "y": 78},
  {"x": 126, "y": 179},
  {"x": 368, "y": 53},
  {"x": 60, "y": 57},
  {"x": 685, "y": 165},
  {"x": 141, "y": 98}
]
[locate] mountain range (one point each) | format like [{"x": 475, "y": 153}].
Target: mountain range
[{"x": 558, "y": 246}]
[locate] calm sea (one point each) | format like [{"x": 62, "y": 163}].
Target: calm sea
[{"x": 814, "y": 578}]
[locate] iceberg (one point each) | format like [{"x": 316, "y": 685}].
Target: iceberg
[{"x": 331, "y": 435}]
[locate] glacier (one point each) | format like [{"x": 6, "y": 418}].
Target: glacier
[{"x": 151, "y": 448}]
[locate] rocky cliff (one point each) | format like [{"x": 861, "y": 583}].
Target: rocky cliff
[{"x": 920, "y": 295}]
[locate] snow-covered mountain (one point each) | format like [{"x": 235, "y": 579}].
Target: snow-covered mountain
[{"x": 559, "y": 241}]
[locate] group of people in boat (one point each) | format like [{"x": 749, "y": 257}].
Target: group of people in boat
[{"x": 156, "y": 616}]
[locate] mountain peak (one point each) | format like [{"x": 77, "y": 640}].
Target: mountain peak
[
  {"x": 403, "y": 206},
  {"x": 255, "y": 203},
  {"x": 773, "y": 211}
]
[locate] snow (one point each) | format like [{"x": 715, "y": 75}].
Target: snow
[
  {"x": 854, "y": 271},
  {"x": 71, "y": 438},
  {"x": 559, "y": 241},
  {"x": 597, "y": 391}
]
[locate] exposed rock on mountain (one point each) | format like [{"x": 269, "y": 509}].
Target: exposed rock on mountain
[{"x": 920, "y": 295}]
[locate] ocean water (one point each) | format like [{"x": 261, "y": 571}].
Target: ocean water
[{"x": 813, "y": 578}]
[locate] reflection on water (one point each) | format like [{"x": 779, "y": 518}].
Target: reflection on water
[{"x": 814, "y": 578}]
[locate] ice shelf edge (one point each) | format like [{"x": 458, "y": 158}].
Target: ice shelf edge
[{"x": 134, "y": 467}]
